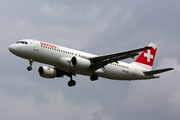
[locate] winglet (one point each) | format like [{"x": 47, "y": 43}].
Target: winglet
[{"x": 153, "y": 45}]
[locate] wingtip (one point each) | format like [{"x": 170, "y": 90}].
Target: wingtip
[
  {"x": 153, "y": 45},
  {"x": 168, "y": 69},
  {"x": 171, "y": 68}
]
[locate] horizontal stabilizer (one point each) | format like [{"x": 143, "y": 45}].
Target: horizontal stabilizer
[{"x": 157, "y": 71}]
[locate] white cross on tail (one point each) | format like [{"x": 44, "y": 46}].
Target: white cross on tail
[{"x": 148, "y": 55}]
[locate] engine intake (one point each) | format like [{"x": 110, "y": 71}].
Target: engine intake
[{"x": 47, "y": 72}]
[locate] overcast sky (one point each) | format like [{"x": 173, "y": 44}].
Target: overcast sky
[{"x": 98, "y": 27}]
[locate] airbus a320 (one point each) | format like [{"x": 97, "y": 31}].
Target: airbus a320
[{"x": 69, "y": 62}]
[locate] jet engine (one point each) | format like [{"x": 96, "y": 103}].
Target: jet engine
[
  {"x": 65, "y": 61},
  {"x": 47, "y": 72},
  {"x": 80, "y": 63}
]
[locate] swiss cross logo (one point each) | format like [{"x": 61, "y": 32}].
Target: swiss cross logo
[{"x": 148, "y": 55}]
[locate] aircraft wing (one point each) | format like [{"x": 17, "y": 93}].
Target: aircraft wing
[{"x": 101, "y": 61}]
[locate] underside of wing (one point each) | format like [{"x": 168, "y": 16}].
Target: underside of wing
[{"x": 101, "y": 61}]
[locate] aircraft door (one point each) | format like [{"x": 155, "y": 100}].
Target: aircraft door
[
  {"x": 36, "y": 45},
  {"x": 134, "y": 71}
]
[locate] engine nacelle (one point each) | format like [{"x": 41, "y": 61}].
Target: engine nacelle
[
  {"x": 65, "y": 61},
  {"x": 80, "y": 63},
  {"x": 47, "y": 72}
]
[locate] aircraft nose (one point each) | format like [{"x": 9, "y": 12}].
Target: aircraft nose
[{"x": 12, "y": 48}]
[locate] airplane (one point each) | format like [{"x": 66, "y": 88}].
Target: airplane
[{"x": 69, "y": 62}]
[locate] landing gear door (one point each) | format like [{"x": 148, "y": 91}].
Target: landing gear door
[{"x": 36, "y": 45}]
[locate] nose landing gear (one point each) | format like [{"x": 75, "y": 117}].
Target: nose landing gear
[{"x": 30, "y": 67}]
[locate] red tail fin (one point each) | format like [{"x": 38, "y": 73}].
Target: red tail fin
[{"x": 146, "y": 58}]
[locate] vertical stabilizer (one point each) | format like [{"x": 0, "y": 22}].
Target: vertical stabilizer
[{"x": 146, "y": 58}]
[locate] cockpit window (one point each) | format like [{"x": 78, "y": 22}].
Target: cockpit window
[
  {"x": 18, "y": 42},
  {"x": 22, "y": 42}
]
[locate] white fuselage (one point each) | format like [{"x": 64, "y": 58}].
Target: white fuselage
[{"x": 60, "y": 57}]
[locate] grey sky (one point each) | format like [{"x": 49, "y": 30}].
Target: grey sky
[{"x": 98, "y": 27}]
